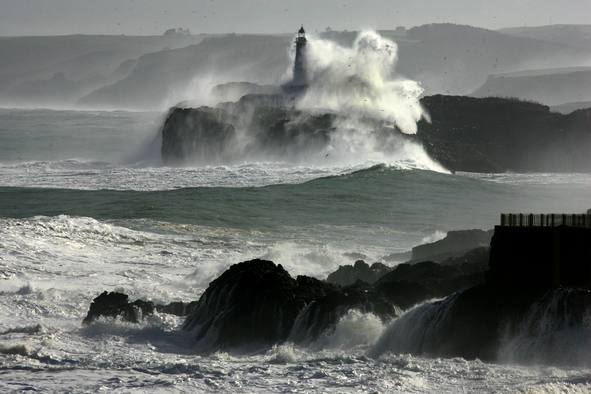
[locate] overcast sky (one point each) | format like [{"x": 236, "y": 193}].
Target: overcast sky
[{"x": 46, "y": 17}]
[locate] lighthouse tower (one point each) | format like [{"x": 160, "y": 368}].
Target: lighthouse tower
[{"x": 300, "y": 77}]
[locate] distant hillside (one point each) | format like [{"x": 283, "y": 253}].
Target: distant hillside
[
  {"x": 550, "y": 87},
  {"x": 573, "y": 35},
  {"x": 57, "y": 68},
  {"x": 164, "y": 78},
  {"x": 458, "y": 59},
  {"x": 155, "y": 72},
  {"x": 571, "y": 107}
]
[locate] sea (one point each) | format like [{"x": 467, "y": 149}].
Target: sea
[{"x": 86, "y": 206}]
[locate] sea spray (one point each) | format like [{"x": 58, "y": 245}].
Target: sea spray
[
  {"x": 556, "y": 330},
  {"x": 370, "y": 101},
  {"x": 354, "y": 329},
  {"x": 418, "y": 331},
  {"x": 360, "y": 81},
  {"x": 487, "y": 323},
  {"x": 283, "y": 354}
]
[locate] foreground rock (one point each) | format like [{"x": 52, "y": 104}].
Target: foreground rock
[
  {"x": 409, "y": 284},
  {"x": 257, "y": 303},
  {"x": 117, "y": 305},
  {"x": 507, "y": 314},
  {"x": 489, "y": 323},
  {"x": 533, "y": 307}
]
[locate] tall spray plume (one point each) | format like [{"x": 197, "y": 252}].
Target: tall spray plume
[
  {"x": 371, "y": 101},
  {"x": 351, "y": 110},
  {"x": 361, "y": 81}
]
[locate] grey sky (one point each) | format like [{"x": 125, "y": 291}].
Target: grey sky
[{"x": 41, "y": 17}]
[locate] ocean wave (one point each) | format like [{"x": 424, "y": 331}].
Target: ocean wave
[
  {"x": 376, "y": 196},
  {"x": 80, "y": 174},
  {"x": 355, "y": 329}
]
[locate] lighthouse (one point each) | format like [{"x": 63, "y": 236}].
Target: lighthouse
[{"x": 300, "y": 77}]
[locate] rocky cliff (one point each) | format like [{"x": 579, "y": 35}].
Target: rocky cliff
[
  {"x": 463, "y": 134},
  {"x": 256, "y": 126},
  {"x": 497, "y": 135}
]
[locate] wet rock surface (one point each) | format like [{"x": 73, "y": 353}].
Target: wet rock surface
[
  {"x": 257, "y": 303},
  {"x": 203, "y": 134},
  {"x": 117, "y": 305},
  {"x": 496, "y": 135},
  {"x": 409, "y": 284},
  {"x": 486, "y": 322}
]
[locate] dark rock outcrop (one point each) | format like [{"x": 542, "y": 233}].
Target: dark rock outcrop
[
  {"x": 494, "y": 324},
  {"x": 455, "y": 244},
  {"x": 250, "y": 304},
  {"x": 491, "y": 315},
  {"x": 533, "y": 306},
  {"x": 117, "y": 305},
  {"x": 497, "y": 135},
  {"x": 204, "y": 134},
  {"x": 322, "y": 314},
  {"x": 257, "y": 303},
  {"x": 269, "y": 128},
  {"x": 409, "y": 284},
  {"x": 347, "y": 275},
  {"x": 465, "y": 324}
]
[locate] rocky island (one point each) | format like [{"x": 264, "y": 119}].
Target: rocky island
[{"x": 462, "y": 133}]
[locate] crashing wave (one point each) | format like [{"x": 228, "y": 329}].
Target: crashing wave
[
  {"x": 354, "y": 110},
  {"x": 487, "y": 323}
]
